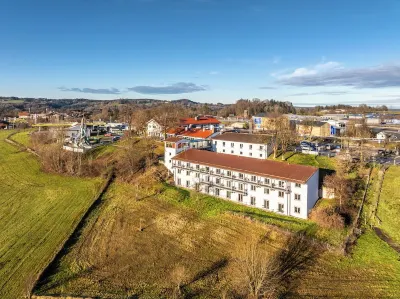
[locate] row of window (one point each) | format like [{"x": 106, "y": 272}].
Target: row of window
[
  {"x": 241, "y": 186},
  {"x": 261, "y": 147},
  {"x": 253, "y": 178},
  {"x": 241, "y": 153},
  {"x": 281, "y": 206}
]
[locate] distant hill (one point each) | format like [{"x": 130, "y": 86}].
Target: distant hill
[{"x": 186, "y": 102}]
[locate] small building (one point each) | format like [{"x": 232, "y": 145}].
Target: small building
[
  {"x": 279, "y": 187},
  {"x": 387, "y": 136},
  {"x": 23, "y": 115},
  {"x": 314, "y": 128},
  {"x": 244, "y": 145},
  {"x": 154, "y": 129}
]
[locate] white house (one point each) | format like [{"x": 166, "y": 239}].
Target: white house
[
  {"x": 154, "y": 129},
  {"x": 287, "y": 189},
  {"x": 387, "y": 136},
  {"x": 244, "y": 145}
]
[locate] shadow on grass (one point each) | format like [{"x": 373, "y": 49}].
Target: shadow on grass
[{"x": 301, "y": 254}]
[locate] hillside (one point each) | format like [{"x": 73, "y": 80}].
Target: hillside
[{"x": 37, "y": 213}]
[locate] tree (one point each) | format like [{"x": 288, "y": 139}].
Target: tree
[
  {"x": 139, "y": 119},
  {"x": 255, "y": 266},
  {"x": 285, "y": 134},
  {"x": 308, "y": 126},
  {"x": 337, "y": 185},
  {"x": 178, "y": 277},
  {"x": 168, "y": 115}
]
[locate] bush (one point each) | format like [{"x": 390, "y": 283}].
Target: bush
[{"x": 328, "y": 217}]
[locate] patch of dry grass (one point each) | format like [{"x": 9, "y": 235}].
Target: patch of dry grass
[{"x": 135, "y": 242}]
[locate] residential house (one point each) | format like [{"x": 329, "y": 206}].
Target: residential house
[
  {"x": 244, "y": 145},
  {"x": 287, "y": 189},
  {"x": 387, "y": 136},
  {"x": 23, "y": 115},
  {"x": 154, "y": 129}
]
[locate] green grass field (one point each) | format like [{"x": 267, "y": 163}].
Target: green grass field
[
  {"x": 37, "y": 213},
  {"x": 304, "y": 159},
  {"x": 389, "y": 204},
  {"x": 372, "y": 271},
  {"x": 22, "y": 137}
]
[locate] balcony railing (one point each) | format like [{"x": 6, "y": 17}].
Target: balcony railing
[{"x": 273, "y": 186}]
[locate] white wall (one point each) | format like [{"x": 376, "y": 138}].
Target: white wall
[
  {"x": 242, "y": 149},
  {"x": 308, "y": 193},
  {"x": 312, "y": 190},
  {"x": 154, "y": 129}
]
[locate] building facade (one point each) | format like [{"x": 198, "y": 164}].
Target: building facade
[
  {"x": 314, "y": 128},
  {"x": 286, "y": 189},
  {"x": 154, "y": 129},
  {"x": 243, "y": 145}
]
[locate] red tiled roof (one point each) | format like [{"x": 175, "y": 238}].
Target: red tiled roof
[
  {"x": 23, "y": 113},
  {"x": 197, "y": 133},
  {"x": 202, "y": 120},
  {"x": 268, "y": 168},
  {"x": 194, "y": 133},
  {"x": 175, "y": 130}
]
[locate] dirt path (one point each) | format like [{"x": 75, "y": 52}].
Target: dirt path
[{"x": 387, "y": 239}]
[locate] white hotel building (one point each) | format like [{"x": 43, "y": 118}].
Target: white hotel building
[
  {"x": 245, "y": 145},
  {"x": 279, "y": 187}
]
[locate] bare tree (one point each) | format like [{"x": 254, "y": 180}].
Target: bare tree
[
  {"x": 255, "y": 266},
  {"x": 337, "y": 185},
  {"x": 178, "y": 277},
  {"x": 139, "y": 119},
  {"x": 286, "y": 134},
  {"x": 308, "y": 126}
]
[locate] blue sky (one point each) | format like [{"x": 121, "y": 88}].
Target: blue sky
[{"x": 306, "y": 52}]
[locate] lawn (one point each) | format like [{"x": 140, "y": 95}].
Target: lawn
[
  {"x": 38, "y": 212},
  {"x": 389, "y": 203},
  {"x": 22, "y": 137},
  {"x": 304, "y": 159},
  {"x": 131, "y": 246},
  {"x": 372, "y": 271}
]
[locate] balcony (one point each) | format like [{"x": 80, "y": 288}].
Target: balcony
[{"x": 273, "y": 186}]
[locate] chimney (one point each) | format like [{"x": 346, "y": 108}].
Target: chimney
[
  {"x": 186, "y": 128},
  {"x": 204, "y": 129},
  {"x": 196, "y": 118}
]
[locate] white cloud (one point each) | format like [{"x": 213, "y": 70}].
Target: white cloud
[{"x": 332, "y": 73}]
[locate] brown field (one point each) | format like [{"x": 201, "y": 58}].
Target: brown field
[{"x": 132, "y": 246}]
